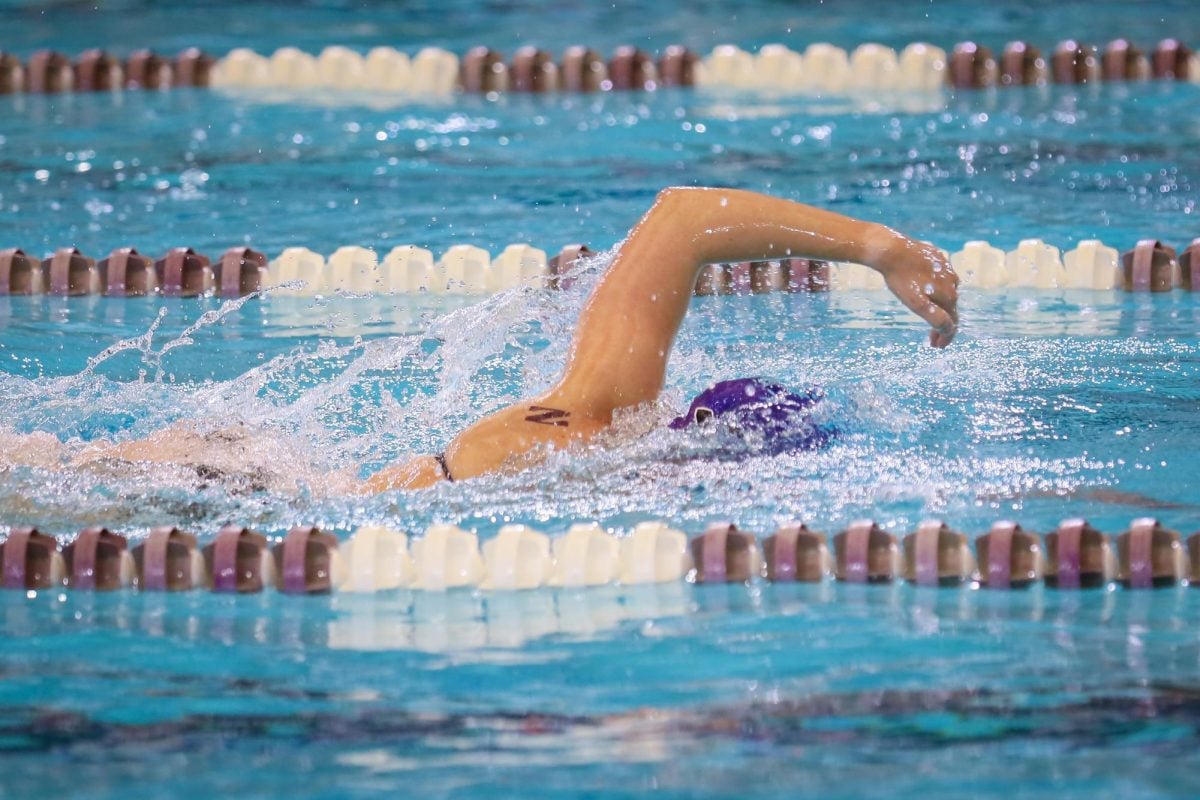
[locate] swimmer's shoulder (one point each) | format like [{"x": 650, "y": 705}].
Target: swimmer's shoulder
[
  {"x": 512, "y": 439},
  {"x": 520, "y": 435}
]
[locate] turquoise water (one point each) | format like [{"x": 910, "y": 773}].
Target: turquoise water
[
  {"x": 212, "y": 171},
  {"x": 1050, "y": 404}
]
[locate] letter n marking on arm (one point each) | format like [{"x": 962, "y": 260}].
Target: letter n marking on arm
[{"x": 548, "y": 416}]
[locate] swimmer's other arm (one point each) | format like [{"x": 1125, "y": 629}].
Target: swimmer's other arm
[{"x": 619, "y": 354}]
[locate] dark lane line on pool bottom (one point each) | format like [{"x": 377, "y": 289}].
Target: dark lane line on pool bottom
[{"x": 1162, "y": 718}]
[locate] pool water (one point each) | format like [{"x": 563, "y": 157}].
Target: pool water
[
  {"x": 211, "y": 171},
  {"x": 1050, "y": 404}
]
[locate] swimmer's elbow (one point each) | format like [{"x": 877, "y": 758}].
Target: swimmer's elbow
[
  {"x": 679, "y": 212},
  {"x": 669, "y": 194},
  {"x": 688, "y": 208},
  {"x": 673, "y": 197}
]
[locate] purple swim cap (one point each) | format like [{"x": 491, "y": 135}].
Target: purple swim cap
[{"x": 763, "y": 410}]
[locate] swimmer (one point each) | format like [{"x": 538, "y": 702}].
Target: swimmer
[{"x": 618, "y": 356}]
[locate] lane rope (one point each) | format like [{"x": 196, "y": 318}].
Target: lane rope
[
  {"x": 307, "y": 560},
  {"x": 822, "y": 69},
  {"x": 464, "y": 269}
]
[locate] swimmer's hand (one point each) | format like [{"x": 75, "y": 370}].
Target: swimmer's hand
[{"x": 921, "y": 276}]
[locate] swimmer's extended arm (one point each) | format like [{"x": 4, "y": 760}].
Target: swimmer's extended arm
[
  {"x": 620, "y": 351},
  {"x": 619, "y": 354}
]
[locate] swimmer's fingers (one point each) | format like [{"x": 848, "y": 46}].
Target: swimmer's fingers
[
  {"x": 925, "y": 282},
  {"x": 943, "y": 320},
  {"x": 941, "y": 316},
  {"x": 935, "y": 304},
  {"x": 944, "y": 335},
  {"x": 943, "y": 308},
  {"x": 941, "y": 312}
]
